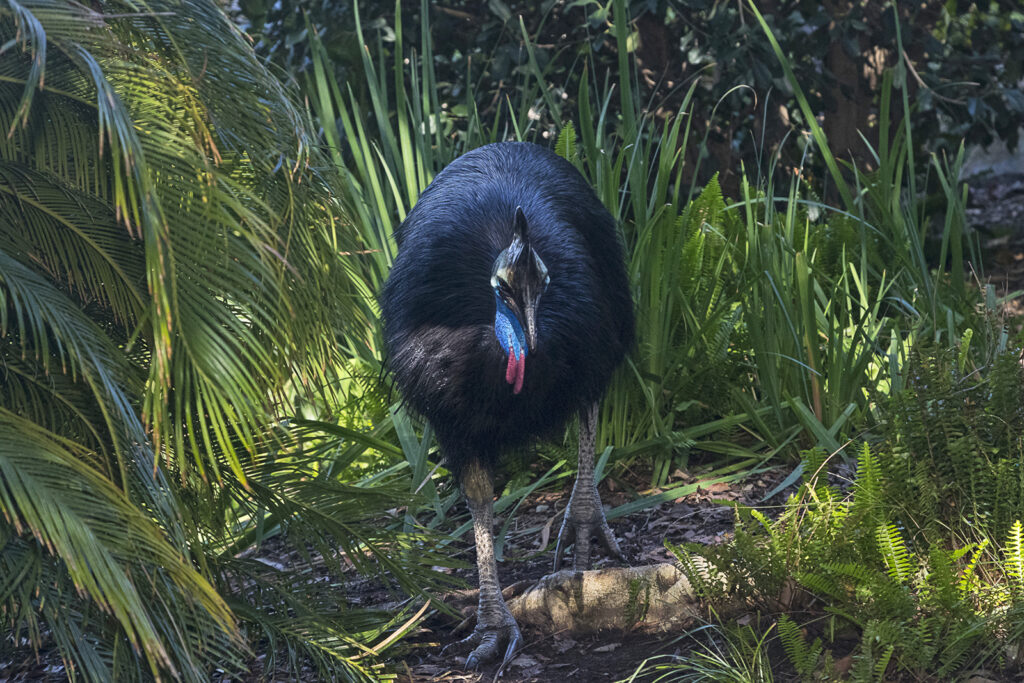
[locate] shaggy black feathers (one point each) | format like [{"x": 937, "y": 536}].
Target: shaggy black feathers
[{"x": 439, "y": 308}]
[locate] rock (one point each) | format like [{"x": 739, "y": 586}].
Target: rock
[{"x": 653, "y": 599}]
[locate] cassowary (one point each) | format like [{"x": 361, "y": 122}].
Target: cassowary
[{"x": 506, "y": 311}]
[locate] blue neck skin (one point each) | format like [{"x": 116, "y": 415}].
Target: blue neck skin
[{"x": 508, "y": 330}]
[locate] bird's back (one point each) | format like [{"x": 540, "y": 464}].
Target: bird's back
[{"x": 439, "y": 308}]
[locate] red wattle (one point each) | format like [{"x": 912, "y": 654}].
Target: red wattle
[
  {"x": 511, "y": 371},
  {"x": 520, "y": 374}
]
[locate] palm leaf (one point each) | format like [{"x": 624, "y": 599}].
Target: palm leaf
[
  {"x": 77, "y": 515},
  {"x": 170, "y": 287}
]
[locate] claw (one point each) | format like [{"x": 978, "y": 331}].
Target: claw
[
  {"x": 565, "y": 539},
  {"x": 460, "y": 645},
  {"x": 611, "y": 544},
  {"x": 579, "y": 532},
  {"x": 488, "y": 641}
]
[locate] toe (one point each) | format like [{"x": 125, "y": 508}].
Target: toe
[
  {"x": 581, "y": 551},
  {"x": 565, "y": 539},
  {"x": 579, "y": 534},
  {"x": 610, "y": 543},
  {"x": 491, "y": 643},
  {"x": 515, "y": 641},
  {"x": 485, "y": 652},
  {"x": 463, "y": 645}
]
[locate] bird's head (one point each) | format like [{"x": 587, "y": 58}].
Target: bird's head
[{"x": 519, "y": 278}]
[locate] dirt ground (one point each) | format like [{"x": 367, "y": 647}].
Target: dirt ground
[
  {"x": 995, "y": 208},
  {"x": 703, "y": 517}
]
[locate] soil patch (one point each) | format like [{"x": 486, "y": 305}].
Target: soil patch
[
  {"x": 995, "y": 208},
  {"x": 703, "y": 517}
]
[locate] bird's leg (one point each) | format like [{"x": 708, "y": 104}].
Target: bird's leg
[
  {"x": 584, "y": 517},
  {"x": 496, "y": 629}
]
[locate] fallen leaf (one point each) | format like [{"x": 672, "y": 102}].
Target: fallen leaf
[
  {"x": 610, "y": 647},
  {"x": 270, "y": 563},
  {"x": 545, "y": 532},
  {"x": 525, "y": 661},
  {"x": 563, "y": 645}
]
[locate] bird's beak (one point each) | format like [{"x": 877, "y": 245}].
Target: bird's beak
[{"x": 531, "y": 325}]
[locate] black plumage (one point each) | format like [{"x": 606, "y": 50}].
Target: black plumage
[
  {"x": 439, "y": 310},
  {"x": 505, "y": 313}
]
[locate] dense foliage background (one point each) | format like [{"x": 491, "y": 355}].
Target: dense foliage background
[
  {"x": 194, "y": 226},
  {"x": 963, "y": 79}
]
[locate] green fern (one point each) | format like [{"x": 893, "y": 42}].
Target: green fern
[
  {"x": 565, "y": 146},
  {"x": 700, "y": 574},
  {"x": 882, "y": 664},
  {"x": 804, "y": 658},
  {"x": 879, "y": 557},
  {"x": 821, "y": 585},
  {"x": 1014, "y": 558},
  {"x": 868, "y": 499},
  {"x": 814, "y": 473},
  {"x": 898, "y": 561}
]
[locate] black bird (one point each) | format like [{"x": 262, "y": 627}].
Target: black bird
[{"x": 506, "y": 311}]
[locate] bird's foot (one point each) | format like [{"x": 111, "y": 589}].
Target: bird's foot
[
  {"x": 584, "y": 519},
  {"x": 488, "y": 640}
]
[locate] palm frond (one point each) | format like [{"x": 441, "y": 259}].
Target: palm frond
[
  {"x": 106, "y": 544},
  {"x": 170, "y": 289}
]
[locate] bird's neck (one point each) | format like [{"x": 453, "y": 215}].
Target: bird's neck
[
  {"x": 510, "y": 335},
  {"x": 508, "y": 330}
]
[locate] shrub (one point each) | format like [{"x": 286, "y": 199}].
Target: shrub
[{"x": 919, "y": 559}]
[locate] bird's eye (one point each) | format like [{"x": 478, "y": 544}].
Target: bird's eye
[{"x": 505, "y": 291}]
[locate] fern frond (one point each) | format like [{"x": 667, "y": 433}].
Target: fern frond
[
  {"x": 882, "y": 664},
  {"x": 898, "y": 561},
  {"x": 821, "y": 585},
  {"x": 968, "y": 578},
  {"x": 802, "y": 656},
  {"x": 1013, "y": 560},
  {"x": 814, "y": 460},
  {"x": 861, "y": 574},
  {"x": 565, "y": 146},
  {"x": 868, "y": 487}
]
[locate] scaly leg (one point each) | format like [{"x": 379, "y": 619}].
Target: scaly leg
[
  {"x": 495, "y": 627},
  {"x": 584, "y": 517}
]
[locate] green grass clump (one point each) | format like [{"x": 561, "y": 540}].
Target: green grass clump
[{"x": 767, "y": 322}]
